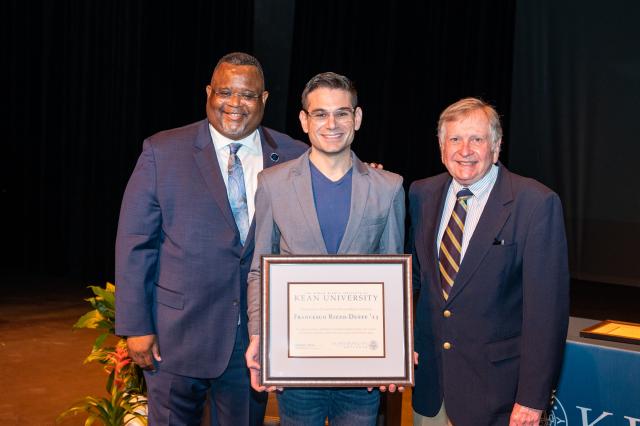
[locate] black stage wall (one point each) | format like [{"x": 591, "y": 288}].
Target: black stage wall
[
  {"x": 85, "y": 82},
  {"x": 574, "y": 120}
]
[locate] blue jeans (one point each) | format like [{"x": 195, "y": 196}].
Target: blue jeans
[{"x": 343, "y": 406}]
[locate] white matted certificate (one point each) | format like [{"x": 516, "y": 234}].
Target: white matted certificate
[{"x": 336, "y": 320}]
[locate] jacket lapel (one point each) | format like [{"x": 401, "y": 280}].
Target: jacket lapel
[
  {"x": 359, "y": 196},
  {"x": 494, "y": 216},
  {"x": 271, "y": 154},
  {"x": 301, "y": 178},
  {"x": 207, "y": 161},
  {"x": 270, "y": 157}
]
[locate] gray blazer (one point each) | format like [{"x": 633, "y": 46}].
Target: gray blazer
[{"x": 287, "y": 223}]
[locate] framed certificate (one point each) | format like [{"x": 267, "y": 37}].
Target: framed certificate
[
  {"x": 615, "y": 331},
  {"x": 336, "y": 321}
]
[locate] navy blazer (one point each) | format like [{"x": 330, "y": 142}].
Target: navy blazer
[
  {"x": 181, "y": 272},
  {"x": 507, "y": 311}
]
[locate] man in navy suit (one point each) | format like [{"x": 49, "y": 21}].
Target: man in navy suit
[
  {"x": 492, "y": 315},
  {"x": 181, "y": 262}
]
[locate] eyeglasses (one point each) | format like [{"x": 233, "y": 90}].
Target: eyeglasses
[
  {"x": 342, "y": 115},
  {"x": 247, "y": 97}
]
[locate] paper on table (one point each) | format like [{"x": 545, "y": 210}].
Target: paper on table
[{"x": 619, "y": 329}]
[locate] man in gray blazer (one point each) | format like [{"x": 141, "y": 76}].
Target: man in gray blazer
[{"x": 325, "y": 202}]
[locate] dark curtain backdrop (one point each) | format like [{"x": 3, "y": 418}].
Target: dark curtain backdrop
[
  {"x": 83, "y": 83},
  {"x": 409, "y": 60},
  {"x": 576, "y": 92},
  {"x": 86, "y": 81}
]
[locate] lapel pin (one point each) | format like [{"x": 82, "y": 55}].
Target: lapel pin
[{"x": 274, "y": 157}]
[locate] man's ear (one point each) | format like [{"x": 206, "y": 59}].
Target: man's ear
[
  {"x": 304, "y": 121},
  {"x": 357, "y": 118},
  {"x": 496, "y": 150}
]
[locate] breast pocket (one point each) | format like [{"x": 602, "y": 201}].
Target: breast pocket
[{"x": 501, "y": 260}]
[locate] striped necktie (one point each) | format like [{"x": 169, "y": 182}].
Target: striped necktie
[
  {"x": 237, "y": 193},
  {"x": 451, "y": 244}
]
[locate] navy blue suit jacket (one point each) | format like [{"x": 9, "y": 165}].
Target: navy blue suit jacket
[
  {"x": 181, "y": 272},
  {"x": 508, "y": 308}
]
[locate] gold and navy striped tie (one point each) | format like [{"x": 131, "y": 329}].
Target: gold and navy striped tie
[{"x": 451, "y": 244}]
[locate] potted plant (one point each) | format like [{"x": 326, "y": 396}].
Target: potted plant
[{"x": 126, "y": 403}]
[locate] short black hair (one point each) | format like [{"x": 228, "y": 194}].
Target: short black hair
[
  {"x": 241, "y": 58},
  {"x": 330, "y": 80}
]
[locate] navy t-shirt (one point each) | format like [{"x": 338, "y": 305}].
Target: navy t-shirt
[{"x": 333, "y": 205}]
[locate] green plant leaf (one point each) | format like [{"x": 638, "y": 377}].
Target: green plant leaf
[
  {"x": 107, "y": 325},
  {"x": 106, "y": 311},
  {"x": 110, "y": 381},
  {"x": 99, "y": 354},
  {"x": 92, "y": 301},
  {"x": 107, "y": 296},
  {"x": 100, "y": 340},
  {"x": 89, "y": 320},
  {"x": 75, "y": 410}
]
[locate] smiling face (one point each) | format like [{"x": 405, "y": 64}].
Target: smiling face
[
  {"x": 330, "y": 121},
  {"x": 467, "y": 149},
  {"x": 235, "y": 100}
]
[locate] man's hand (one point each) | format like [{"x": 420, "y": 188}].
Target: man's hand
[
  {"x": 143, "y": 350},
  {"x": 392, "y": 388},
  {"x": 524, "y": 416},
  {"x": 251, "y": 357}
]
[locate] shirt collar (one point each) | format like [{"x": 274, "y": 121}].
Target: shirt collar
[
  {"x": 480, "y": 187},
  {"x": 221, "y": 142}
]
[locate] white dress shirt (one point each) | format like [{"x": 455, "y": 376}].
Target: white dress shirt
[
  {"x": 250, "y": 154},
  {"x": 475, "y": 205}
]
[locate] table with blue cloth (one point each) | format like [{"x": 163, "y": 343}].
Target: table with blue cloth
[{"x": 599, "y": 383}]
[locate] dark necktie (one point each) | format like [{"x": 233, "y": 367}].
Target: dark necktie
[
  {"x": 237, "y": 193},
  {"x": 451, "y": 244}
]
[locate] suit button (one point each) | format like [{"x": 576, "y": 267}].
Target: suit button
[
  {"x": 446, "y": 345},
  {"x": 446, "y": 314},
  {"x": 235, "y": 303}
]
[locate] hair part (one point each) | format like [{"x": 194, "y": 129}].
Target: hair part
[
  {"x": 463, "y": 108},
  {"x": 329, "y": 80},
  {"x": 241, "y": 58}
]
